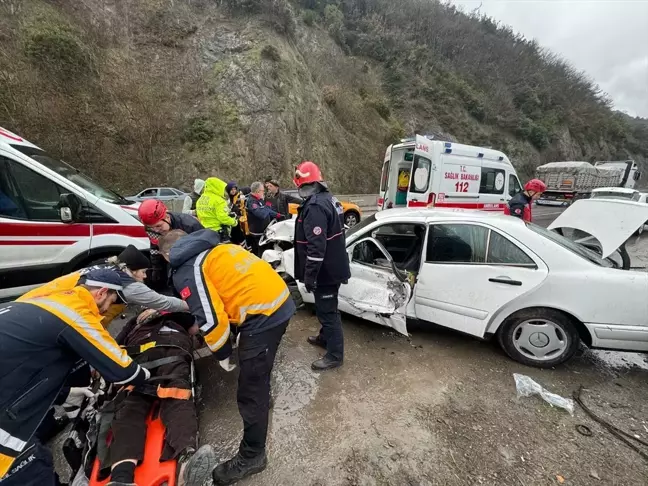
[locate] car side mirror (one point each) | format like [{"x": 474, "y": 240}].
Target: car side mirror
[{"x": 69, "y": 207}]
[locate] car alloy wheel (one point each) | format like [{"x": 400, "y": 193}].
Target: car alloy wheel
[
  {"x": 540, "y": 339},
  {"x": 351, "y": 219}
]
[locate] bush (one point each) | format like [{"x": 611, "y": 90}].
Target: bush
[
  {"x": 329, "y": 93},
  {"x": 381, "y": 106},
  {"x": 334, "y": 20},
  {"x": 539, "y": 136},
  {"x": 199, "y": 130},
  {"x": 280, "y": 14},
  {"x": 270, "y": 53},
  {"x": 57, "y": 48},
  {"x": 247, "y": 6},
  {"x": 309, "y": 17}
]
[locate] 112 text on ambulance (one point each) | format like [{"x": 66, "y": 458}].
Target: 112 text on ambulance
[{"x": 464, "y": 178}]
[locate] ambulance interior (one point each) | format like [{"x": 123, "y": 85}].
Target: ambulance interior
[{"x": 398, "y": 178}]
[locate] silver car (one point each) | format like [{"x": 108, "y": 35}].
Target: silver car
[{"x": 161, "y": 193}]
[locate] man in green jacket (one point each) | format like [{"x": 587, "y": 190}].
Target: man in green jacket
[{"x": 212, "y": 209}]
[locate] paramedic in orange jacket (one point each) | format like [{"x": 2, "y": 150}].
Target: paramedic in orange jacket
[
  {"x": 41, "y": 341},
  {"x": 224, "y": 284}
]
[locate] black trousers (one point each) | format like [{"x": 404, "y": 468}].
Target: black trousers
[
  {"x": 253, "y": 243},
  {"x": 256, "y": 358},
  {"x": 326, "y": 309}
]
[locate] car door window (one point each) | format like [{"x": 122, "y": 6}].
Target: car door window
[
  {"x": 514, "y": 185},
  {"x": 404, "y": 242},
  {"x": 38, "y": 194},
  {"x": 166, "y": 193},
  {"x": 504, "y": 252},
  {"x": 177, "y": 192},
  {"x": 492, "y": 181},
  {"x": 457, "y": 243},
  {"x": 367, "y": 253},
  {"x": 149, "y": 193}
]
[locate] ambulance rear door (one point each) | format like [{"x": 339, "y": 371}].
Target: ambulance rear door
[
  {"x": 421, "y": 193},
  {"x": 384, "y": 179}
]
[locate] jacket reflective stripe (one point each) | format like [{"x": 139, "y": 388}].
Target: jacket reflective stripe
[
  {"x": 130, "y": 378},
  {"x": 271, "y": 306},
  {"x": 10, "y": 442},
  {"x": 315, "y": 259},
  {"x": 177, "y": 393},
  {"x": 5, "y": 465},
  {"x": 210, "y": 325},
  {"x": 85, "y": 328}
]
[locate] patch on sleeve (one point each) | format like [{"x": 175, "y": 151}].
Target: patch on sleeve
[
  {"x": 255, "y": 205},
  {"x": 517, "y": 211},
  {"x": 185, "y": 293},
  {"x": 317, "y": 231}
]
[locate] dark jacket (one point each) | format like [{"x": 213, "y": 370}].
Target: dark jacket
[
  {"x": 320, "y": 246},
  {"x": 39, "y": 348},
  {"x": 194, "y": 199},
  {"x": 520, "y": 207},
  {"x": 224, "y": 284},
  {"x": 280, "y": 202},
  {"x": 258, "y": 215},
  {"x": 158, "y": 274}
]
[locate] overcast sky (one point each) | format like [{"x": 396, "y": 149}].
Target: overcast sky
[{"x": 608, "y": 39}]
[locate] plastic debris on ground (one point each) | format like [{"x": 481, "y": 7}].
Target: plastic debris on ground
[{"x": 526, "y": 387}]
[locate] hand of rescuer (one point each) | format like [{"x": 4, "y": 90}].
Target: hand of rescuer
[
  {"x": 74, "y": 400},
  {"x": 310, "y": 286}
]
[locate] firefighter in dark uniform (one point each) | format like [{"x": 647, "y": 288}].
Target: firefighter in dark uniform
[
  {"x": 226, "y": 287},
  {"x": 520, "y": 204},
  {"x": 159, "y": 221},
  {"x": 259, "y": 216},
  {"x": 321, "y": 260}
]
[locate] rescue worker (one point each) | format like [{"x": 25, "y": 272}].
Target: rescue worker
[
  {"x": 41, "y": 341},
  {"x": 159, "y": 221},
  {"x": 237, "y": 206},
  {"x": 277, "y": 200},
  {"x": 131, "y": 265},
  {"x": 224, "y": 284},
  {"x": 189, "y": 203},
  {"x": 520, "y": 204},
  {"x": 259, "y": 216},
  {"x": 213, "y": 209},
  {"x": 321, "y": 260},
  {"x": 165, "y": 336}
]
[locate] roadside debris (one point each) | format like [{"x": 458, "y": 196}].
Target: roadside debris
[{"x": 526, "y": 387}]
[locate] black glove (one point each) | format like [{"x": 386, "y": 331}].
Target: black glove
[{"x": 310, "y": 286}]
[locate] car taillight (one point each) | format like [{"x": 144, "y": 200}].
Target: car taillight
[
  {"x": 431, "y": 199},
  {"x": 569, "y": 196}
]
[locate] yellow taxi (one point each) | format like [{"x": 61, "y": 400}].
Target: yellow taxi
[{"x": 352, "y": 213}]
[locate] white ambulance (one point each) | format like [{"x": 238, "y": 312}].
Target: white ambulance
[
  {"x": 54, "y": 219},
  {"x": 421, "y": 172}
]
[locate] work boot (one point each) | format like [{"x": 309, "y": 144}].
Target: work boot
[
  {"x": 325, "y": 363},
  {"x": 194, "y": 466},
  {"x": 316, "y": 341},
  {"x": 237, "y": 468}
]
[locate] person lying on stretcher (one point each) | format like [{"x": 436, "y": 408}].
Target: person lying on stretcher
[{"x": 168, "y": 340}]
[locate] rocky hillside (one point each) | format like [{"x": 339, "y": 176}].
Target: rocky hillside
[{"x": 142, "y": 92}]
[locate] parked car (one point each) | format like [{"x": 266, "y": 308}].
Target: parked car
[
  {"x": 488, "y": 275},
  {"x": 161, "y": 193},
  {"x": 352, "y": 212}
]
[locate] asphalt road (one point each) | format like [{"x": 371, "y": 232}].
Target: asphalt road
[{"x": 544, "y": 215}]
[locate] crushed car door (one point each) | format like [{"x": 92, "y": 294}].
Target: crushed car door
[{"x": 377, "y": 291}]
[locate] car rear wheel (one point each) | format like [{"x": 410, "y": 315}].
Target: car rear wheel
[
  {"x": 351, "y": 218},
  {"x": 539, "y": 337}
]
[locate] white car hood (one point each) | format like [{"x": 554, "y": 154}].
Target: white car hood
[{"x": 610, "y": 221}]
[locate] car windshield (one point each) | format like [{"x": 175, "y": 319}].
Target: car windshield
[
  {"x": 634, "y": 196},
  {"x": 570, "y": 245},
  {"x": 73, "y": 175},
  {"x": 362, "y": 224}
]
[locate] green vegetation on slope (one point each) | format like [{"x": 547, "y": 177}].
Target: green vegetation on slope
[{"x": 159, "y": 91}]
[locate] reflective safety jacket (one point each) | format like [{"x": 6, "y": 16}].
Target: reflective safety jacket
[
  {"x": 135, "y": 293},
  {"x": 212, "y": 208},
  {"x": 520, "y": 207},
  {"x": 41, "y": 340},
  {"x": 223, "y": 284}
]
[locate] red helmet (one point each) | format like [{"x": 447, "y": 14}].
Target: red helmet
[
  {"x": 152, "y": 211},
  {"x": 306, "y": 173},
  {"x": 535, "y": 185}
]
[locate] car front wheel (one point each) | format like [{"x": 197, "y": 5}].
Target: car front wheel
[
  {"x": 539, "y": 337},
  {"x": 351, "y": 218}
]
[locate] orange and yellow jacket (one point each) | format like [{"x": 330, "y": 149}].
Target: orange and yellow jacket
[
  {"x": 41, "y": 341},
  {"x": 224, "y": 284}
]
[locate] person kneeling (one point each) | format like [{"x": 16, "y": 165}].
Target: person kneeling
[{"x": 162, "y": 337}]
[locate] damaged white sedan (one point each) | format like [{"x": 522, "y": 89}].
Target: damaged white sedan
[{"x": 489, "y": 275}]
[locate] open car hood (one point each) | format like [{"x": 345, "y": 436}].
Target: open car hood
[{"x": 610, "y": 221}]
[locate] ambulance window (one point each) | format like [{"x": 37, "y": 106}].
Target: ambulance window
[
  {"x": 421, "y": 179},
  {"x": 39, "y": 194},
  {"x": 10, "y": 202},
  {"x": 492, "y": 181},
  {"x": 514, "y": 185}
]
